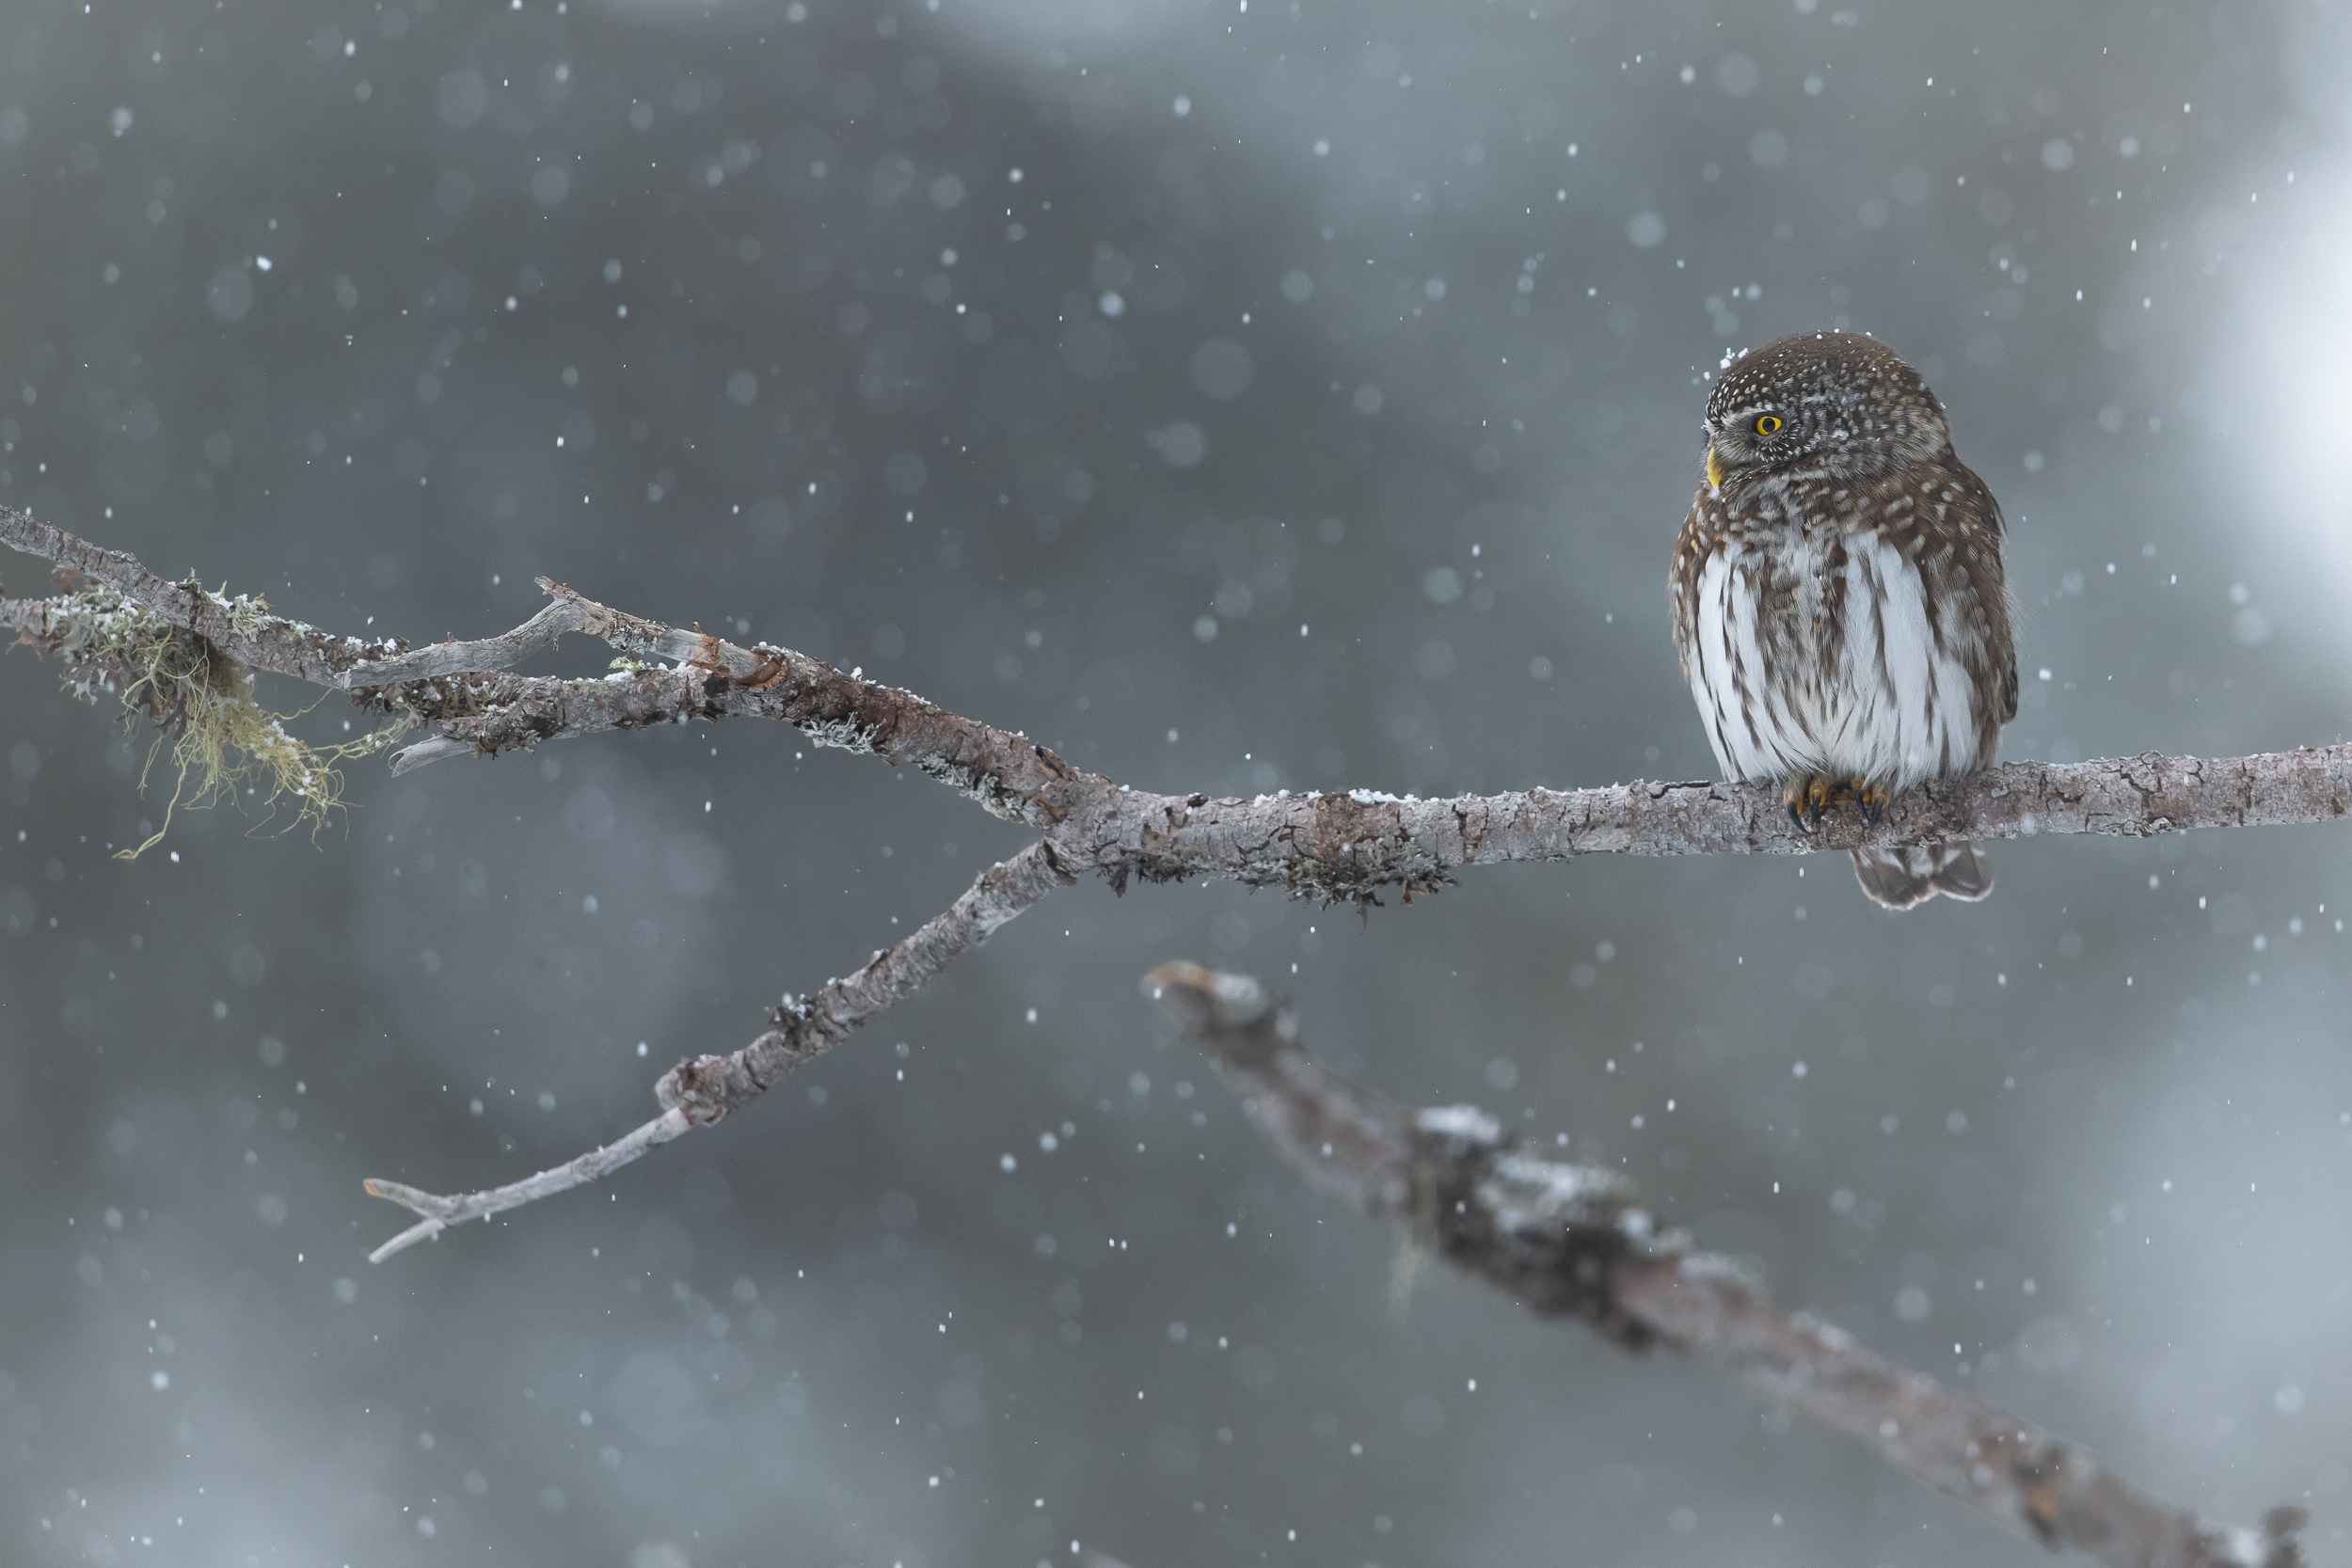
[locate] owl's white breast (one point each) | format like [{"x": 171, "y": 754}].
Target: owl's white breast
[{"x": 1807, "y": 659}]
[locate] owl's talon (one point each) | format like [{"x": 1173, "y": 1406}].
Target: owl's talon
[
  {"x": 1819, "y": 794},
  {"x": 1873, "y": 798},
  {"x": 1806, "y": 798}
]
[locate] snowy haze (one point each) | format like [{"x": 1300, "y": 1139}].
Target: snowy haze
[{"x": 1302, "y": 396}]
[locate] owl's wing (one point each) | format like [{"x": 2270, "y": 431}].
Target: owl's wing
[{"x": 1990, "y": 585}]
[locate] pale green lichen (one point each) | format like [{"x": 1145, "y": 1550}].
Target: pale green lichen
[
  {"x": 223, "y": 742},
  {"x": 247, "y": 614}
]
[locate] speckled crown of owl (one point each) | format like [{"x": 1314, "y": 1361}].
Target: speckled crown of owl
[{"x": 1852, "y": 408}]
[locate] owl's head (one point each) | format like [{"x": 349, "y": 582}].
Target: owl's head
[{"x": 1820, "y": 406}]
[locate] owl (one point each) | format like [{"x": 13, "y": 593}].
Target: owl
[{"x": 1838, "y": 604}]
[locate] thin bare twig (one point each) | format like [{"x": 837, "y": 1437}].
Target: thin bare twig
[
  {"x": 442, "y": 1213},
  {"x": 1572, "y": 1241},
  {"x": 801, "y": 1030},
  {"x": 569, "y": 613},
  {"x": 698, "y": 1092}
]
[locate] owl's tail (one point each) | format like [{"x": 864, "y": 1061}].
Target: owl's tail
[{"x": 1898, "y": 879}]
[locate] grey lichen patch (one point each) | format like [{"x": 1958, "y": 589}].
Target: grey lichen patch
[
  {"x": 847, "y": 735},
  {"x": 1351, "y": 880},
  {"x": 248, "y": 613},
  {"x": 1163, "y": 858},
  {"x": 223, "y": 743},
  {"x": 635, "y": 643},
  {"x": 984, "y": 789}
]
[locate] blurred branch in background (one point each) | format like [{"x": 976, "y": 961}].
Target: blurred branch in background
[
  {"x": 1571, "y": 1241},
  {"x": 1338, "y": 846}
]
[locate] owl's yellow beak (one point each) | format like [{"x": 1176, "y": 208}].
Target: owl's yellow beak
[{"x": 1714, "y": 468}]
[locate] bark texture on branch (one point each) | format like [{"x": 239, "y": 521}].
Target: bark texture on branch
[
  {"x": 1573, "y": 1240},
  {"x": 1354, "y": 844}
]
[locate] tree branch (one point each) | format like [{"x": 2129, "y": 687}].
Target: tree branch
[
  {"x": 1340, "y": 846},
  {"x": 698, "y": 1092},
  {"x": 801, "y": 1031},
  {"x": 569, "y": 613},
  {"x": 241, "y": 628},
  {"x": 1337, "y": 846},
  {"x": 1571, "y": 1241}
]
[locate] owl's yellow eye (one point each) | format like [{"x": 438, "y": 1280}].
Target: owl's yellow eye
[{"x": 1767, "y": 424}]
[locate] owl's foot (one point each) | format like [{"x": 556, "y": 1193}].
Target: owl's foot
[
  {"x": 1873, "y": 798},
  {"x": 1807, "y": 798}
]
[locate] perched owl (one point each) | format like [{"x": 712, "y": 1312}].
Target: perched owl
[{"x": 1838, "y": 604}]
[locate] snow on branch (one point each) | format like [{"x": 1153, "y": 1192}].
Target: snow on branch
[{"x": 1573, "y": 1240}]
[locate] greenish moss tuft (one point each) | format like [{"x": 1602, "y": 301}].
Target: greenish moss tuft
[{"x": 223, "y": 742}]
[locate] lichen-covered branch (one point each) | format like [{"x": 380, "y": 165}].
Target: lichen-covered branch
[
  {"x": 241, "y": 628},
  {"x": 699, "y": 1091},
  {"x": 1347, "y": 845},
  {"x": 224, "y": 744},
  {"x": 1573, "y": 1240}
]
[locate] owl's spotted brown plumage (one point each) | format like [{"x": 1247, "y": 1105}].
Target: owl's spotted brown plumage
[{"x": 1838, "y": 604}]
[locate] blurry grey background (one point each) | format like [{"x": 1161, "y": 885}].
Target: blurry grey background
[{"x": 1289, "y": 395}]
